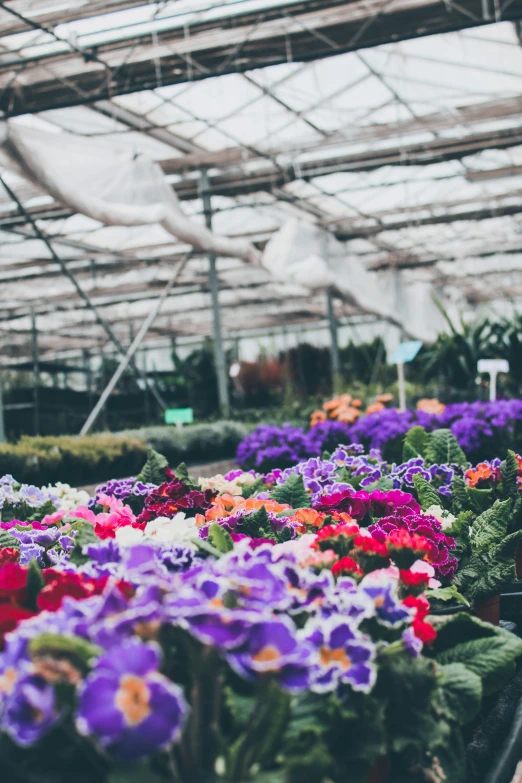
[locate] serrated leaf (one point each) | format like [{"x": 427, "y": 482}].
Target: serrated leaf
[
  {"x": 7, "y": 540},
  {"x": 153, "y": 471},
  {"x": 220, "y": 538},
  {"x": 35, "y": 583},
  {"x": 427, "y": 495},
  {"x": 446, "y": 594},
  {"x": 257, "y": 524},
  {"x": 240, "y": 707},
  {"x": 461, "y": 691},
  {"x": 443, "y": 449},
  {"x": 181, "y": 473},
  {"x": 490, "y": 528},
  {"x": 509, "y": 469},
  {"x": 484, "y": 657},
  {"x": 292, "y": 492},
  {"x": 415, "y": 443},
  {"x": 459, "y": 530},
  {"x": 486, "y": 573}
]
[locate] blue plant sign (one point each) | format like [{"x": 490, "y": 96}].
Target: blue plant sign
[
  {"x": 179, "y": 416},
  {"x": 406, "y": 352}
]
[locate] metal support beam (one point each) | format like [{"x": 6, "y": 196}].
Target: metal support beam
[
  {"x": 132, "y": 349},
  {"x": 219, "y": 353},
  {"x": 2, "y": 426},
  {"x": 334, "y": 343},
  {"x": 79, "y": 290},
  {"x": 36, "y": 374}
]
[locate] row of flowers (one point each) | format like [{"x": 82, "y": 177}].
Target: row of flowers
[
  {"x": 483, "y": 430},
  {"x": 269, "y": 626}
]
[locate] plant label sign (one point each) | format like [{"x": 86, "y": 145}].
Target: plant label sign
[
  {"x": 406, "y": 352},
  {"x": 493, "y": 367},
  {"x": 179, "y": 416}
]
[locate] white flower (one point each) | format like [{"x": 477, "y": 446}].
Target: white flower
[
  {"x": 165, "y": 530},
  {"x": 227, "y": 486},
  {"x": 69, "y": 497},
  {"x": 445, "y": 518},
  {"x": 128, "y": 535}
]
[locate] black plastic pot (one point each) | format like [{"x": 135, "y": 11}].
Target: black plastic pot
[
  {"x": 505, "y": 764},
  {"x": 511, "y": 603}
]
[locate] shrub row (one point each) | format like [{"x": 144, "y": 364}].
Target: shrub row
[{"x": 94, "y": 458}]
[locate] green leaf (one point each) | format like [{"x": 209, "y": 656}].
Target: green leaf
[
  {"x": 509, "y": 470},
  {"x": 206, "y": 547},
  {"x": 445, "y": 594},
  {"x": 75, "y": 649},
  {"x": 459, "y": 530},
  {"x": 292, "y": 492},
  {"x": 7, "y": 540},
  {"x": 220, "y": 538},
  {"x": 485, "y": 657},
  {"x": 491, "y": 526},
  {"x": 153, "y": 472},
  {"x": 240, "y": 707},
  {"x": 181, "y": 473},
  {"x": 249, "y": 490},
  {"x": 415, "y": 443},
  {"x": 384, "y": 483},
  {"x": 134, "y": 773},
  {"x": 428, "y": 495},
  {"x": 443, "y": 449},
  {"x": 85, "y": 535},
  {"x": 461, "y": 691},
  {"x": 486, "y": 573},
  {"x": 35, "y": 582},
  {"x": 257, "y": 524},
  {"x": 470, "y": 498}
]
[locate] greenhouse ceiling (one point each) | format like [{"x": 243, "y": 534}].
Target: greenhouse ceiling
[{"x": 394, "y": 124}]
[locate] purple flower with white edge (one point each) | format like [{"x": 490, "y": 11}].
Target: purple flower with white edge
[
  {"x": 272, "y": 648},
  {"x": 345, "y": 656},
  {"x": 33, "y": 496},
  {"x": 128, "y": 706},
  {"x": 30, "y": 710},
  {"x": 389, "y": 610},
  {"x": 412, "y": 644}
]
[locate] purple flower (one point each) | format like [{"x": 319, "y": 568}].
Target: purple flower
[
  {"x": 273, "y": 649},
  {"x": 345, "y": 656},
  {"x": 128, "y": 706},
  {"x": 33, "y": 496},
  {"x": 30, "y": 710},
  {"x": 412, "y": 644},
  {"x": 389, "y": 611}
]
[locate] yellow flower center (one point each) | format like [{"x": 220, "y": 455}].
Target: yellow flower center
[
  {"x": 8, "y": 681},
  {"x": 132, "y": 699},
  {"x": 269, "y": 655},
  {"x": 337, "y": 657}
]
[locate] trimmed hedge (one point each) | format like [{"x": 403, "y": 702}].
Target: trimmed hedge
[
  {"x": 74, "y": 460},
  {"x": 198, "y": 443},
  {"x": 96, "y": 458}
]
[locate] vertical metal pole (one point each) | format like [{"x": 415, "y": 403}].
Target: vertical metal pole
[
  {"x": 402, "y": 386},
  {"x": 36, "y": 374},
  {"x": 219, "y": 353},
  {"x": 334, "y": 344},
  {"x": 88, "y": 375},
  {"x": 2, "y": 426}
]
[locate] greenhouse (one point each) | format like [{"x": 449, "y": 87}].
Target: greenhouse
[{"x": 261, "y": 391}]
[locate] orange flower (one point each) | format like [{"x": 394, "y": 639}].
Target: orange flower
[
  {"x": 375, "y": 407},
  {"x": 309, "y": 517},
  {"x": 316, "y": 417},
  {"x": 384, "y": 398},
  {"x": 226, "y": 505},
  {"x": 480, "y": 473},
  {"x": 342, "y": 516},
  {"x": 430, "y": 405}
]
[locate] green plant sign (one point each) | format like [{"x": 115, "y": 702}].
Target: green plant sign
[{"x": 179, "y": 416}]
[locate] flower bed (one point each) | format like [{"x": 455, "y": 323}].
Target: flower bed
[
  {"x": 484, "y": 430},
  {"x": 272, "y": 627}
]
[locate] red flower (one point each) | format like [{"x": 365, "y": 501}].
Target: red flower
[
  {"x": 10, "y": 616},
  {"x": 13, "y": 582},
  {"x": 8, "y": 554},
  {"x": 370, "y": 546},
  {"x": 420, "y": 603},
  {"x": 424, "y": 631},
  {"x": 412, "y": 579},
  {"x": 346, "y": 565},
  {"x": 405, "y": 548},
  {"x": 59, "y": 585}
]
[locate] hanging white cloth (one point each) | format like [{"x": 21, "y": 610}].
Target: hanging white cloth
[{"x": 110, "y": 185}]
